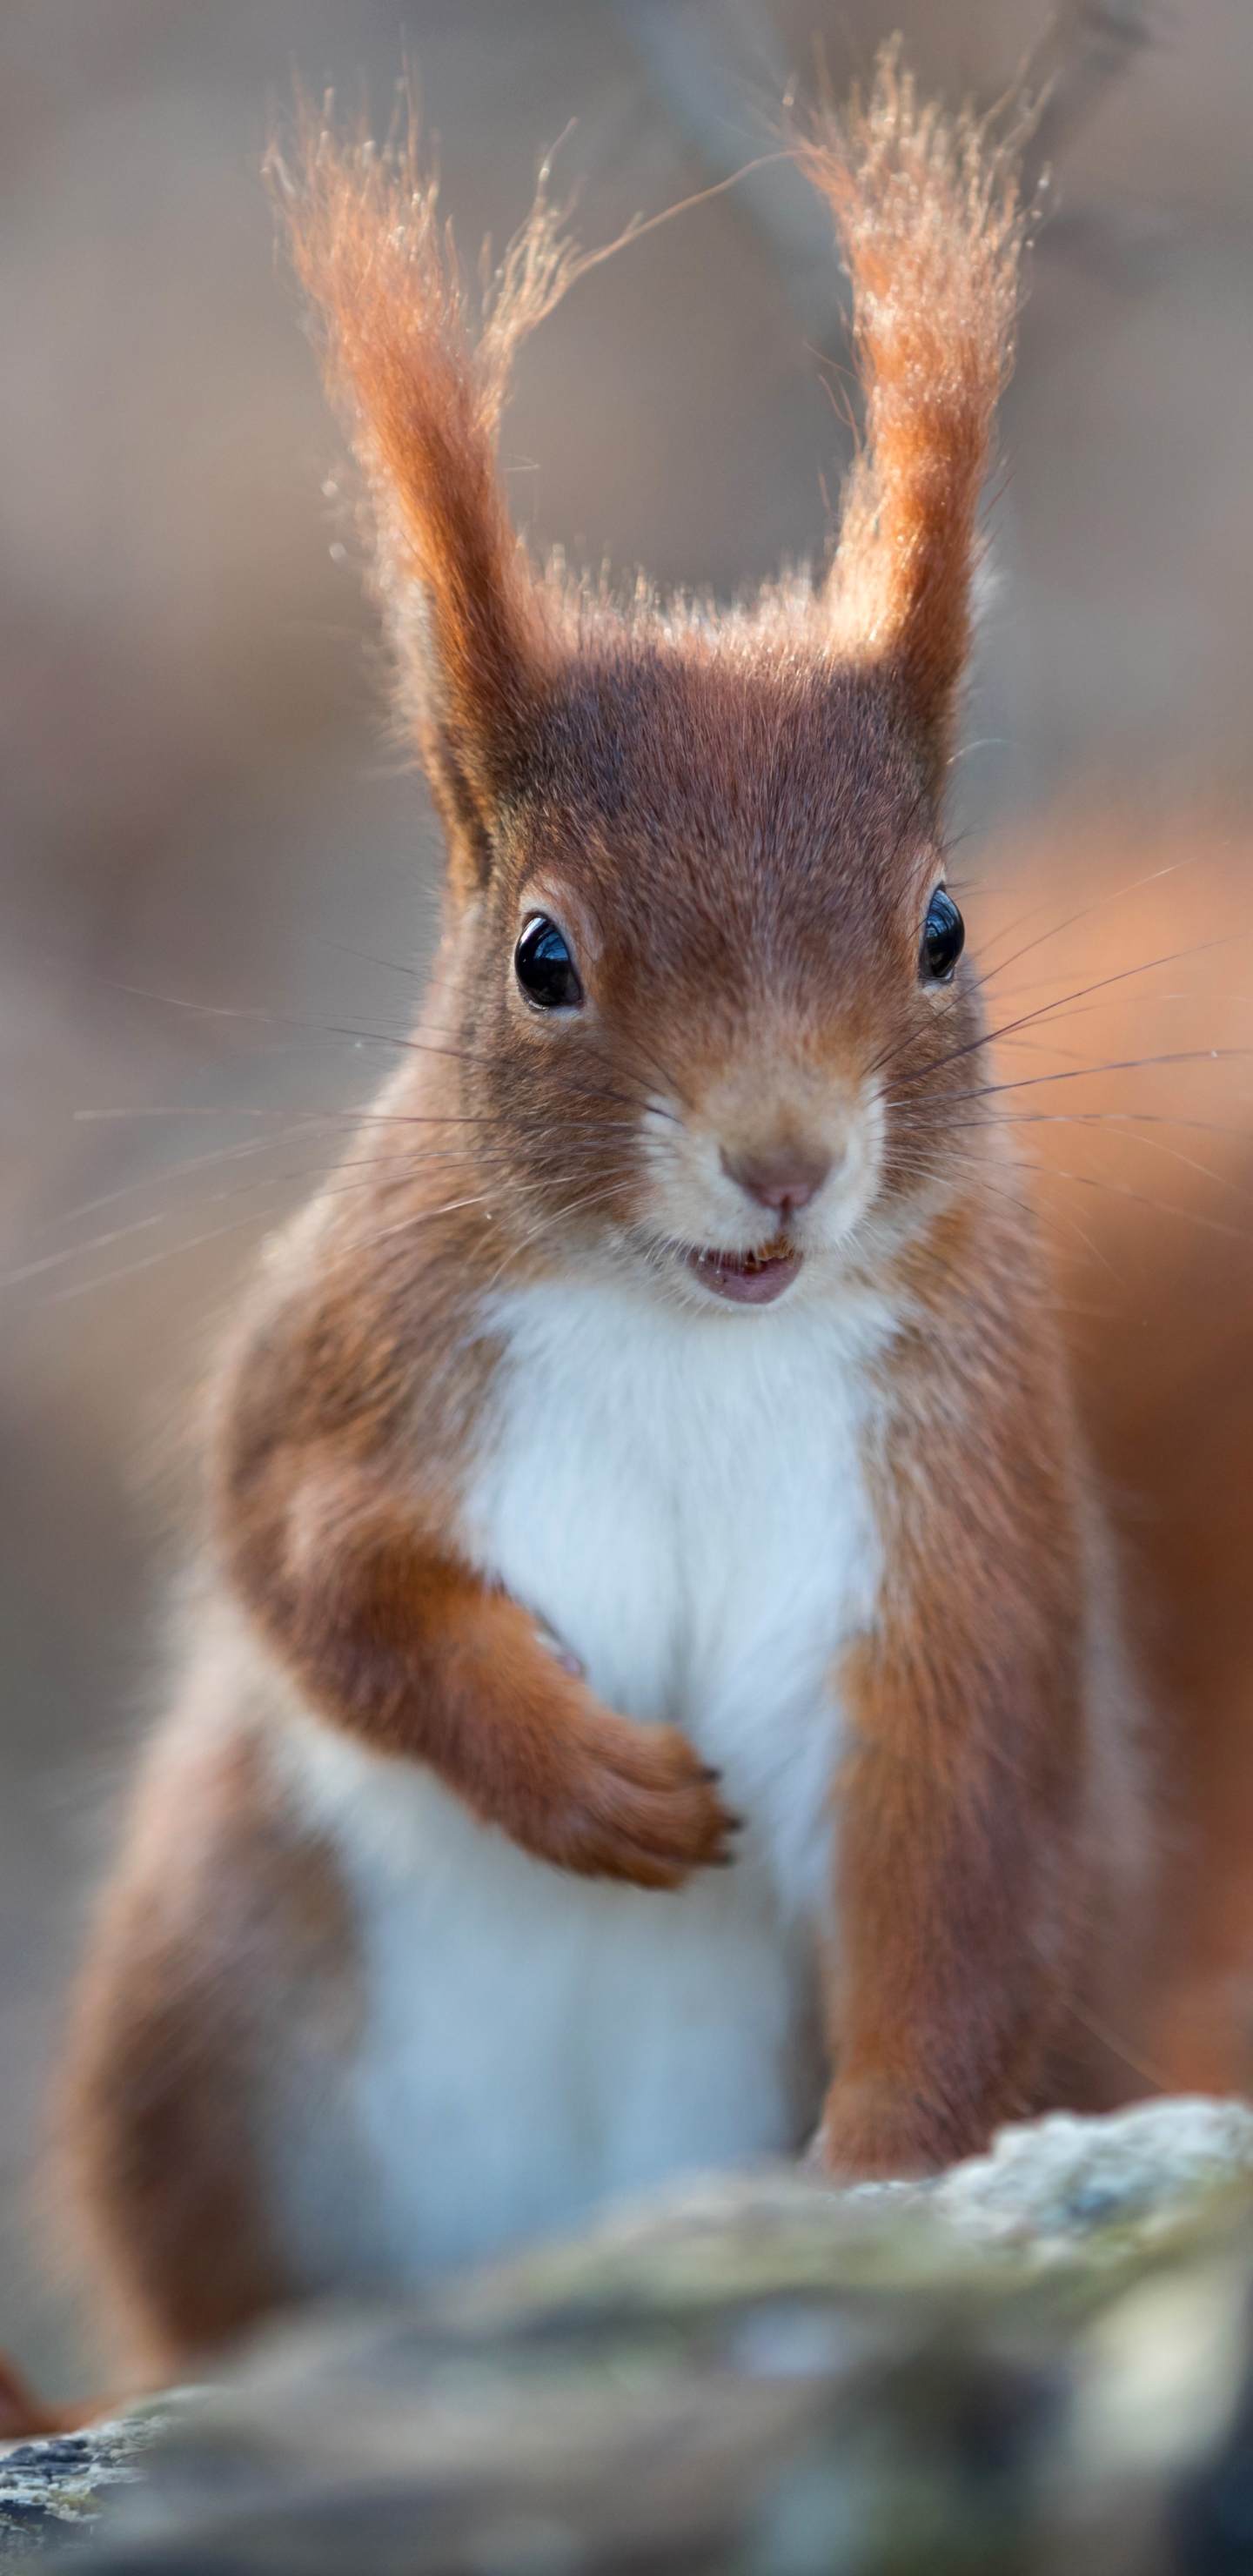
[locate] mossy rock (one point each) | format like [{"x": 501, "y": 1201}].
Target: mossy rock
[{"x": 1035, "y": 2363}]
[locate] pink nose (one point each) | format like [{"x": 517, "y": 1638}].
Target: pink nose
[{"x": 782, "y": 1182}]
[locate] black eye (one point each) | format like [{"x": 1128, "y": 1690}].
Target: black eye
[
  {"x": 943, "y": 938},
  {"x": 545, "y": 968}
]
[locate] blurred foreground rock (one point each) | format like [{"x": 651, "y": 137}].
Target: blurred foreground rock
[{"x": 1039, "y": 2362}]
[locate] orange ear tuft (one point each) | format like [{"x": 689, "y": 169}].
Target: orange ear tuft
[
  {"x": 927, "y": 214},
  {"x": 423, "y": 394}
]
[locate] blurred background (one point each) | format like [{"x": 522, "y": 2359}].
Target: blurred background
[{"x": 216, "y": 873}]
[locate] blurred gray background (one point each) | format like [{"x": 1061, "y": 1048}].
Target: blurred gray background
[{"x": 216, "y": 874}]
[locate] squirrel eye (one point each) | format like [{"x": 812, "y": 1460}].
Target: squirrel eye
[
  {"x": 943, "y": 938},
  {"x": 545, "y": 968}
]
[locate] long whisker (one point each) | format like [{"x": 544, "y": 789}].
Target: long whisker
[
  {"x": 1116, "y": 1189},
  {"x": 1121, "y": 1118},
  {"x": 1095, "y": 1121},
  {"x": 1135, "y": 885},
  {"x": 1084, "y": 1073},
  {"x": 1061, "y": 1005},
  {"x": 1029, "y": 1019},
  {"x": 544, "y": 1224},
  {"x": 414, "y": 1045},
  {"x": 131, "y": 1269},
  {"x": 1161, "y": 1207},
  {"x": 416, "y": 1217},
  {"x": 305, "y": 1125}
]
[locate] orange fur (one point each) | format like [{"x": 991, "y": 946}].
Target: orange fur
[
  {"x": 204, "y": 1981},
  {"x": 929, "y": 225},
  {"x": 967, "y": 1823},
  {"x": 1125, "y": 950},
  {"x": 423, "y": 395}
]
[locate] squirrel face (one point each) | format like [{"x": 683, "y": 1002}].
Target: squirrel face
[
  {"x": 706, "y": 996},
  {"x": 708, "y": 1018}
]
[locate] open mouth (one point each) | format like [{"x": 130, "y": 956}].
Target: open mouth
[{"x": 748, "y": 1278}]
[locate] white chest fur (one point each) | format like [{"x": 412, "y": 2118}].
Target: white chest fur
[
  {"x": 681, "y": 1501},
  {"x": 681, "y": 1498}
]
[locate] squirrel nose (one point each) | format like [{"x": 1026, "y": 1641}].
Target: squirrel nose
[{"x": 783, "y": 1182}]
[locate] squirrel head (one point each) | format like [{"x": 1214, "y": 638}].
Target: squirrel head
[{"x": 702, "y": 968}]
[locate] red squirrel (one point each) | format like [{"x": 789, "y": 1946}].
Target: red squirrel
[{"x": 657, "y": 1693}]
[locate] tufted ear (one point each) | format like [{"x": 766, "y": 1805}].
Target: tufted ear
[
  {"x": 423, "y": 393},
  {"x": 927, "y": 216}
]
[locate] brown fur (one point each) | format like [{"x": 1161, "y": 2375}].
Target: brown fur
[
  {"x": 962, "y": 1826},
  {"x": 391, "y": 1635},
  {"x": 737, "y": 821},
  {"x": 198, "y": 1993}
]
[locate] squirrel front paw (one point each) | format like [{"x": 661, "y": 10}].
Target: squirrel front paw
[
  {"x": 633, "y": 1803},
  {"x": 873, "y": 2130}
]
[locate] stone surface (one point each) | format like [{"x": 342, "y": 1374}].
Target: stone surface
[
  {"x": 1037, "y": 2362},
  {"x": 52, "y": 2491}
]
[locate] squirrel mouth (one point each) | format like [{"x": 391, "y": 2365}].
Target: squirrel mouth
[{"x": 748, "y": 1278}]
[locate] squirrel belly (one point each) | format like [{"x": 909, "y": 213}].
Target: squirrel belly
[
  {"x": 531, "y": 2042},
  {"x": 680, "y": 1501}
]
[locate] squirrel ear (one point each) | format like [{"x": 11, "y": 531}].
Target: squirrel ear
[
  {"x": 927, "y": 217},
  {"x": 423, "y": 395}
]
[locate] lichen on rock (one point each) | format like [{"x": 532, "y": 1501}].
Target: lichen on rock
[{"x": 53, "y": 2488}]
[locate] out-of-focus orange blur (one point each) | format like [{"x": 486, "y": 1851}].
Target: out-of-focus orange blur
[
  {"x": 1119, "y": 963},
  {"x": 216, "y": 876}
]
